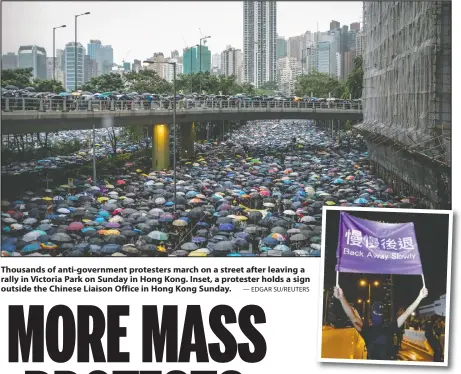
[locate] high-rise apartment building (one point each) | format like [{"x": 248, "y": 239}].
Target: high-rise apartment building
[
  {"x": 10, "y": 61},
  {"x": 295, "y": 46},
  {"x": 137, "y": 66},
  {"x": 281, "y": 47},
  {"x": 204, "y": 59},
  {"x": 32, "y": 56},
  {"x": 189, "y": 60},
  {"x": 231, "y": 59},
  {"x": 355, "y": 26},
  {"x": 334, "y": 25},
  {"x": 259, "y": 41},
  {"x": 70, "y": 78},
  {"x": 168, "y": 69},
  {"x": 126, "y": 66},
  {"x": 90, "y": 68},
  {"x": 160, "y": 59},
  {"x": 49, "y": 68},
  {"x": 106, "y": 59},
  {"x": 288, "y": 68}
]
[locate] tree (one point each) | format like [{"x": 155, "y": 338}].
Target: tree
[
  {"x": 354, "y": 81},
  {"x": 105, "y": 83},
  {"x": 19, "y": 78},
  {"x": 270, "y": 85},
  {"x": 113, "y": 138},
  {"x": 47, "y": 85},
  {"x": 147, "y": 81},
  {"x": 320, "y": 84}
]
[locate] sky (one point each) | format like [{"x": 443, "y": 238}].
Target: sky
[{"x": 138, "y": 29}]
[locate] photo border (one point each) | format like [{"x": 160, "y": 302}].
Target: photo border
[{"x": 448, "y": 293}]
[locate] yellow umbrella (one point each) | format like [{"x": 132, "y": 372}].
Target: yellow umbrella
[
  {"x": 47, "y": 198},
  {"x": 330, "y": 202},
  {"x": 241, "y": 218},
  {"x": 109, "y": 186},
  {"x": 145, "y": 175},
  {"x": 197, "y": 254},
  {"x": 103, "y": 198},
  {"x": 109, "y": 232},
  {"x": 65, "y": 186},
  {"x": 138, "y": 171}
]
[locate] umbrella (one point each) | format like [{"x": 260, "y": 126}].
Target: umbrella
[{"x": 158, "y": 235}]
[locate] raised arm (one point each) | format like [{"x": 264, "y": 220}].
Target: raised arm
[
  {"x": 422, "y": 294},
  {"x": 356, "y": 320}
]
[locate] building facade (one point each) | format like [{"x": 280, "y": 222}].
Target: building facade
[
  {"x": 72, "y": 81},
  {"x": 189, "y": 60},
  {"x": 32, "y": 56},
  {"x": 90, "y": 69},
  {"x": 168, "y": 70},
  {"x": 204, "y": 59},
  {"x": 10, "y": 61},
  {"x": 49, "y": 68},
  {"x": 137, "y": 66},
  {"x": 281, "y": 47},
  {"x": 406, "y": 95},
  {"x": 259, "y": 41},
  {"x": 288, "y": 68},
  {"x": 231, "y": 60},
  {"x": 438, "y": 307}
]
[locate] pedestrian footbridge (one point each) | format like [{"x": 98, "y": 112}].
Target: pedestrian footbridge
[{"x": 25, "y": 115}]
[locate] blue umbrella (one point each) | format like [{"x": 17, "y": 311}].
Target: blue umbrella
[
  {"x": 100, "y": 220},
  {"x": 10, "y": 247},
  {"x": 103, "y": 213},
  {"x": 226, "y": 227},
  {"x": 32, "y": 247},
  {"x": 110, "y": 248},
  {"x": 64, "y": 94},
  {"x": 361, "y": 201},
  {"x": 234, "y": 255},
  {"x": 270, "y": 241},
  {"x": 198, "y": 239}
]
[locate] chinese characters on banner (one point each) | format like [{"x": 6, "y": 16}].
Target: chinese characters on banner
[{"x": 378, "y": 248}]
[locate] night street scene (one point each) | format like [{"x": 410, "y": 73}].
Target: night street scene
[
  {"x": 218, "y": 141},
  {"x": 421, "y": 336}
]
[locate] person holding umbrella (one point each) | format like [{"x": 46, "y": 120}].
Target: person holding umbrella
[{"x": 378, "y": 336}]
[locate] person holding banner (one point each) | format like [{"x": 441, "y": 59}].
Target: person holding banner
[
  {"x": 371, "y": 247},
  {"x": 379, "y": 336}
]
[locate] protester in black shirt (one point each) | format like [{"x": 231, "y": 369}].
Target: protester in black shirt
[
  {"x": 432, "y": 333},
  {"x": 379, "y": 335}
]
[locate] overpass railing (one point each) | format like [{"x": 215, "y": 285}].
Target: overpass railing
[{"x": 66, "y": 105}]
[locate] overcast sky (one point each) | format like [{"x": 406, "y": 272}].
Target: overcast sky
[{"x": 138, "y": 29}]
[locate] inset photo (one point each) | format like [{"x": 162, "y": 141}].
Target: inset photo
[{"x": 386, "y": 286}]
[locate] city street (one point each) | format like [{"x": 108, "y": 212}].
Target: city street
[{"x": 346, "y": 343}]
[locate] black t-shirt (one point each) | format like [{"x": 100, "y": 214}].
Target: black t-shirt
[{"x": 379, "y": 340}]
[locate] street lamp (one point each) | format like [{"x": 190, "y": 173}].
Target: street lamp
[
  {"x": 75, "y": 47},
  {"x": 200, "y": 51},
  {"x": 146, "y": 63},
  {"x": 54, "y": 50},
  {"x": 364, "y": 283},
  {"x": 360, "y": 301}
]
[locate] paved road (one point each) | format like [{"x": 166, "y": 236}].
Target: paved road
[
  {"x": 409, "y": 353},
  {"x": 348, "y": 344}
]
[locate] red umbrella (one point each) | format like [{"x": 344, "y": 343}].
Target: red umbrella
[
  {"x": 75, "y": 226},
  {"x": 120, "y": 182}
]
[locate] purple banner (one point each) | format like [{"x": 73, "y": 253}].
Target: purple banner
[{"x": 377, "y": 248}]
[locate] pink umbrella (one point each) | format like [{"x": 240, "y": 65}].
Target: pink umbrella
[
  {"x": 75, "y": 226},
  {"x": 120, "y": 182}
]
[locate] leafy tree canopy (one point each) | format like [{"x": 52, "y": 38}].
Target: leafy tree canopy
[
  {"x": 320, "y": 84},
  {"x": 354, "y": 81},
  {"x": 20, "y": 78}
]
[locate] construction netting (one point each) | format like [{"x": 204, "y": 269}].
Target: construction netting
[{"x": 407, "y": 79}]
